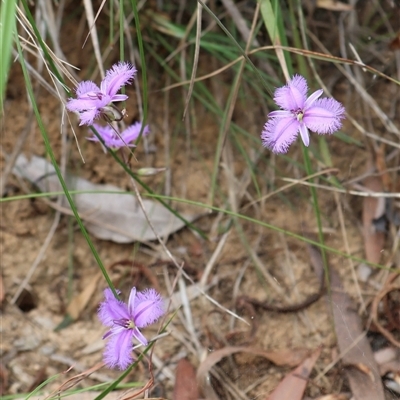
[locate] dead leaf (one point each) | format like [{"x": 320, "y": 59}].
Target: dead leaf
[
  {"x": 353, "y": 344},
  {"x": 340, "y": 396},
  {"x": 79, "y": 302},
  {"x": 292, "y": 387},
  {"x": 334, "y": 5},
  {"x": 2, "y": 291},
  {"x": 279, "y": 357},
  {"x": 185, "y": 382},
  {"x": 373, "y": 210},
  {"x": 3, "y": 380},
  {"x": 109, "y": 216}
]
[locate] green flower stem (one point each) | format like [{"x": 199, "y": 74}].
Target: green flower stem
[
  {"x": 309, "y": 171},
  {"x": 57, "y": 169}
]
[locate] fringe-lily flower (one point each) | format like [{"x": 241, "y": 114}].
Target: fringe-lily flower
[
  {"x": 93, "y": 101},
  {"x": 299, "y": 114},
  {"x": 115, "y": 139},
  {"x": 124, "y": 320}
]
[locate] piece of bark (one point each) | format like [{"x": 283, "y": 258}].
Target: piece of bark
[
  {"x": 185, "y": 382},
  {"x": 294, "y": 384},
  {"x": 361, "y": 368}
]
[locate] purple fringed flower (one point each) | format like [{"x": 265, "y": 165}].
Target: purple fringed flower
[
  {"x": 299, "y": 114},
  {"x": 116, "y": 140},
  {"x": 143, "y": 309},
  {"x": 92, "y": 101}
]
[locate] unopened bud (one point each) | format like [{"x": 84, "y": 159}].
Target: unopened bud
[
  {"x": 112, "y": 113},
  {"x": 149, "y": 171}
]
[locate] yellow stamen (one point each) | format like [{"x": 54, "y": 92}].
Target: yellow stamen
[{"x": 299, "y": 116}]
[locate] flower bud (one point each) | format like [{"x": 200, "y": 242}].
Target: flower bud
[{"x": 149, "y": 171}]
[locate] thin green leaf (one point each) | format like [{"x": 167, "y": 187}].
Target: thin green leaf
[{"x": 7, "y": 31}]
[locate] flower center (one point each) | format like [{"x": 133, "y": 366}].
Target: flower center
[
  {"x": 95, "y": 95},
  {"x": 299, "y": 115},
  {"x": 125, "y": 323}
]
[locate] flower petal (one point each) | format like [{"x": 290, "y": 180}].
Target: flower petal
[
  {"x": 324, "y": 116},
  {"x": 106, "y": 133},
  {"x": 280, "y": 114},
  {"x": 119, "y": 75},
  {"x": 118, "y": 352},
  {"x": 116, "y": 140},
  {"x": 305, "y": 137},
  {"x": 80, "y": 105},
  {"x": 131, "y": 303},
  {"x": 115, "y": 330},
  {"x": 131, "y": 133},
  {"x": 293, "y": 95},
  {"x": 139, "y": 337},
  {"x": 88, "y": 116},
  {"x": 280, "y": 133},
  {"x": 311, "y": 99},
  {"x": 112, "y": 309},
  {"x": 149, "y": 307},
  {"x": 119, "y": 97},
  {"x": 86, "y": 87}
]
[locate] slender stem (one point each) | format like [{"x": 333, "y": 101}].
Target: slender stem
[
  {"x": 309, "y": 171},
  {"x": 50, "y": 153}
]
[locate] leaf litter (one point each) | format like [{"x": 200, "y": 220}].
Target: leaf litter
[
  {"x": 355, "y": 351},
  {"x": 292, "y": 387},
  {"x": 111, "y": 216}
]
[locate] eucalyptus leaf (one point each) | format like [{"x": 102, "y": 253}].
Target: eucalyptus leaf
[{"x": 110, "y": 213}]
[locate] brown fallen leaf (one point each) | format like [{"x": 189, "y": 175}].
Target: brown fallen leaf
[
  {"x": 79, "y": 302},
  {"x": 279, "y": 357},
  {"x": 2, "y": 291},
  {"x": 185, "y": 382},
  {"x": 373, "y": 209},
  {"x": 339, "y": 396},
  {"x": 353, "y": 344},
  {"x": 3, "y": 380},
  {"x": 96, "y": 204},
  {"x": 293, "y": 385}
]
